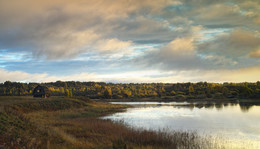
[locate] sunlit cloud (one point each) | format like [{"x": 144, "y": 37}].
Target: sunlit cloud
[
  {"x": 241, "y": 75},
  {"x": 255, "y": 54}
]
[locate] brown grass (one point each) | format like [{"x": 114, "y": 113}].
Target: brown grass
[{"x": 74, "y": 123}]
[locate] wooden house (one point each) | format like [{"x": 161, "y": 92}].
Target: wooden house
[{"x": 41, "y": 91}]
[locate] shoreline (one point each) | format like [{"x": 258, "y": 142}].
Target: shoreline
[{"x": 207, "y": 100}]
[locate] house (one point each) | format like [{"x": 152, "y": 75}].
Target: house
[{"x": 41, "y": 91}]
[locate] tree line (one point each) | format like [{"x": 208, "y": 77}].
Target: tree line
[{"x": 101, "y": 90}]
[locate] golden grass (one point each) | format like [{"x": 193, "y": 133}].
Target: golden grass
[{"x": 74, "y": 123}]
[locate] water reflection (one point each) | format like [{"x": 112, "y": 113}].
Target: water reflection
[
  {"x": 244, "y": 106},
  {"x": 226, "y": 104},
  {"x": 235, "y": 120},
  {"x": 209, "y": 105}
]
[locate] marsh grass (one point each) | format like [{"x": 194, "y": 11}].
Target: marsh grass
[{"x": 75, "y": 123}]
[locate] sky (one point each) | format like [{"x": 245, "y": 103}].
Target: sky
[{"x": 130, "y": 41}]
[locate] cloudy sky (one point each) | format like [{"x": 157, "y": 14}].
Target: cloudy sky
[{"x": 130, "y": 40}]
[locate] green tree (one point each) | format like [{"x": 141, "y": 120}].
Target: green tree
[
  {"x": 127, "y": 93},
  {"x": 225, "y": 91},
  {"x": 67, "y": 93},
  {"x": 108, "y": 93},
  {"x": 66, "y": 90},
  {"x": 258, "y": 84},
  {"x": 70, "y": 93},
  {"x": 173, "y": 93},
  {"x": 191, "y": 90},
  {"x": 245, "y": 91}
]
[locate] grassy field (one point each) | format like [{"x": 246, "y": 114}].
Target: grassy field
[{"x": 60, "y": 122}]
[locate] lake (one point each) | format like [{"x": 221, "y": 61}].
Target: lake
[{"x": 237, "y": 122}]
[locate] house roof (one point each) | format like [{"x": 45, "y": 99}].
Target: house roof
[{"x": 46, "y": 90}]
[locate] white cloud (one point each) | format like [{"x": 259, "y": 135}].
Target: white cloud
[
  {"x": 20, "y": 76},
  {"x": 236, "y": 44},
  {"x": 251, "y": 74},
  {"x": 44, "y": 77}
]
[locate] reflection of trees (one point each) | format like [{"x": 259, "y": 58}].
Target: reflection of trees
[
  {"x": 219, "y": 106},
  {"x": 188, "y": 106},
  {"x": 158, "y": 105},
  {"x": 245, "y": 106},
  {"x": 226, "y": 104},
  {"x": 199, "y": 105},
  {"x": 209, "y": 105},
  {"x": 233, "y": 104},
  {"x": 191, "y": 107}
]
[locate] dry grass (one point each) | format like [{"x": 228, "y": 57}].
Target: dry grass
[{"x": 74, "y": 123}]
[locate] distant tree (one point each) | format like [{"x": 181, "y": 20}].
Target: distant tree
[
  {"x": 66, "y": 90},
  {"x": 258, "y": 84},
  {"x": 108, "y": 93},
  {"x": 105, "y": 90},
  {"x": 191, "y": 90},
  {"x": 173, "y": 93},
  {"x": 61, "y": 89},
  {"x": 127, "y": 93},
  {"x": 67, "y": 93},
  {"x": 225, "y": 91},
  {"x": 160, "y": 91},
  {"x": 7, "y": 83},
  {"x": 245, "y": 91},
  {"x": 70, "y": 93}
]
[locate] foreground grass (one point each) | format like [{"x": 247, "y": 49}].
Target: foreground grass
[{"x": 74, "y": 123}]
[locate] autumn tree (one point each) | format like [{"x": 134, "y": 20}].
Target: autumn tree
[
  {"x": 191, "y": 90},
  {"x": 108, "y": 93},
  {"x": 225, "y": 91}
]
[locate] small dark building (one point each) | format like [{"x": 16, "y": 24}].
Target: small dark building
[{"x": 41, "y": 91}]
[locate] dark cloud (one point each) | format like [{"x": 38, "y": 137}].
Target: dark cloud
[
  {"x": 179, "y": 54},
  {"x": 237, "y": 44},
  {"x": 226, "y": 51},
  {"x": 218, "y": 14}
]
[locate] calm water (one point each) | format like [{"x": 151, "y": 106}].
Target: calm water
[{"x": 231, "y": 121}]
